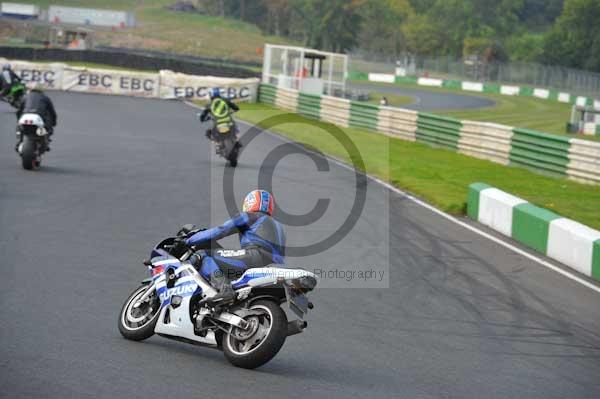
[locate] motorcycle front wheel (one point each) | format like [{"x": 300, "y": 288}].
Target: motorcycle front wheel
[
  {"x": 254, "y": 346},
  {"x": 138, "y": 319}
]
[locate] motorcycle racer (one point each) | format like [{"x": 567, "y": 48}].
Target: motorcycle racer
[
  {"x": 262, "y": 242},
  {"x": 219, "y": 109}
]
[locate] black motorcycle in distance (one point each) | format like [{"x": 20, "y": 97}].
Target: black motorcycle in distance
[{"x": 225, "y": 136}]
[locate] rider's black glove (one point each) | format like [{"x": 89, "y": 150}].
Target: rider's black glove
[{"x": 180, "y": 245}]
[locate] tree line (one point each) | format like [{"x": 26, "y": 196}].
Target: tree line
[{"x": 559, "y": 32}]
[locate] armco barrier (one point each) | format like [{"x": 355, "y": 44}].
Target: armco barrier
[
  {"x": 542, "y": 152},
  {"x": 267, "y": 94},
  {"x": 335, "y": 110},
  {"x": 486, "y": 141},
  {"x": 584, "y": 161},
  {"x": 363, "y": 115},
  {"x": 565, "y": 240},
  {"x": 309, "y": 105},
  {"x": 397, "y": 122},
  {"x": 287, "y": 100},
  {"x": 438, "y": 130},
  {"x": 165, "y": 84}
]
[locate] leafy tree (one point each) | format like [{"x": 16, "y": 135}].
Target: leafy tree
[
  {"x": 382, "y": 20},
  {"x": 331, "y": 25},
  {"x": 575, "y": 38},
  {"x": 421, "y": 6},
  {"x": 526, "y": 47},
  {"x": 539, "y": 14},
  {"x": 423, "y": 36}
]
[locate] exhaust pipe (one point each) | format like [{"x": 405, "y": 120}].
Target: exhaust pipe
[{"x": 296, "y": 327}]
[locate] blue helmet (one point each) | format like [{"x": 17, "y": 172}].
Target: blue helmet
[{"x": 214, "y": 92}]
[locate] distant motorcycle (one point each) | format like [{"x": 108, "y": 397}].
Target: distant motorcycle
[
  {"x": 225, "y": 136},
  {"x": 250, "y": 331},
  {"x": 32, "y": 140},
  {"x": 15, "y": 95}
]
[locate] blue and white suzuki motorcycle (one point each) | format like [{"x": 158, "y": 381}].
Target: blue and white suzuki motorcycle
[{"x": 250, "y": 331}]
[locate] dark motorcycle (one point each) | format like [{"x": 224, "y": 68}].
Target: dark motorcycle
[
  {"x": 32, "y": 140},
  {"x": 225, "y": 136},
  {"x": 15, "y": 95}
]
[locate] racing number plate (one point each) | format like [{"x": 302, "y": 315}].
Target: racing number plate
[{"x": 297, "y": 301}]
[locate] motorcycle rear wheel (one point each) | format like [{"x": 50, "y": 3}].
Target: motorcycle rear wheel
[
  {"x": 138, "y": 323},
  {"x": 29, "y": 157},
  {"x": 259, "y": 344}
]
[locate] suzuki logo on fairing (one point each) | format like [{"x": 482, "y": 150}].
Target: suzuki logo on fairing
[{"x": 181, "y": 290}]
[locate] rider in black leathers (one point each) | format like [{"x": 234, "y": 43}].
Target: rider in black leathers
[{"x": 36, "y": 102}]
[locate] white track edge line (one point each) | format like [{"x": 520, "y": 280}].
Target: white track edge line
[{"x": 443, "y": 214}]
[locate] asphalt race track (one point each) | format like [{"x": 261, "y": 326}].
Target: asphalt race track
[
  {"x": 462, "y": 318},
  {"x": 425, "y": 100}
]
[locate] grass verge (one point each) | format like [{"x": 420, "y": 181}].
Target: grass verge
[
  {"x": 161, "y": 29},
  {"x": 439, "y": 176}
]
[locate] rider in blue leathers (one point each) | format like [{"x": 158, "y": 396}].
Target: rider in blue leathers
[{"x": 262, "y": 242}]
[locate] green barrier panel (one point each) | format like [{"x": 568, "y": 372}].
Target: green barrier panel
[
  {"x": 438, "y": 130},
  {"x": 589, "y": 102},
  {"x": 363, "y": 115},
  {"x": 526, "y": 91},
  {"x": 530, "y": 225},
  {"x": 553, "y": 95},
  {"x": 539, "y": 151},
  {"x": 473, "y": 199},
  {"x": 491, "y": 88},
  {"x": 407, "y": 79},
  {"x": 309, "y": 105},
  {"x": 358, "y": 76},
  {"x": 596, "y": 260},
  {"x": 267, "y": 93},
  {"x": 452, "y": 84}
]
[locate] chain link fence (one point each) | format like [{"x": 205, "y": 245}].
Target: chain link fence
[{"x": 516, "y": 73}]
